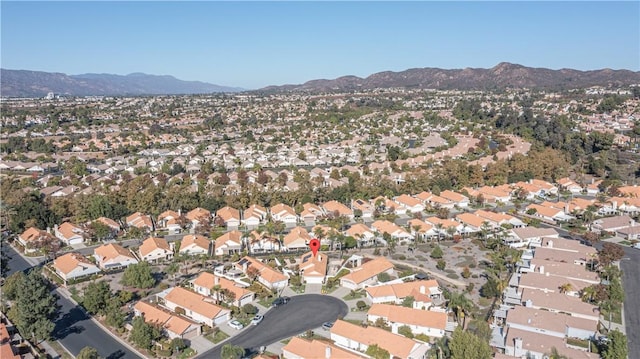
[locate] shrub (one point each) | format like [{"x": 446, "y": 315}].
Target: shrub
[
  {"x": 361, "y": 305},
  {"x": 466, "y": 273},
  {"x": 441, "y": 264},
  {"x": 437, "y": 253}
]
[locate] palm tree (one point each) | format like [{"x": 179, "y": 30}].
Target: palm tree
[
  {"x": 588, "y": 293},
  {"x": 439, "y": 227},
  {"x": 556, "y": 355},
  {"x": 461, "y": 305}
]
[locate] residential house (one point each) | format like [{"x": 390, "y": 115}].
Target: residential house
[
  {"x": 612, "y": 224},
  {"x": 409, "y": 203},
  {"x": 260, "y": 242},
  {"x": 228, "y": 243},
  {"x": 73, "y": 266},
  {"x": 269, "y": 277},
  {"x": 397, "y": 232},
  {"x": 366, "y": 208},
  {"x": 338, "y": 208},
  {"x": 472, "y": 223},
  {"x": 210, "y": 285},
  {"x": 366, "y": 274},
  {"x": 549, "y": 214},
  {"x": 155, "y": 249},
  {"x": 458, "y": 199},
  {"x": 254, "y": 215},
  {"x": 170, "y": 221},
  {"x": 421, "y": 229},
  {"x": 195, "y": 244},
  {"x": 283, "y": 213},
  {"x": 359, "y": 338},
  {"x": 445, "y": 227},
  {"x": 500, "y": 219},
  {"x": 69, "y": 233},
  {"x": 33, "y": 238},
  {"x": 435, "y": 201},
  {"x": 363, "y": 234},
  {"x": 311, "y": 213},
  {"x": 173, "y": 325},
  {"x": 559, "y": 303},
  {"x": 313, "y": 267},
  {"x": 568, "y": 184},
  {"x": 554, "y": 324},
  {"x": 113, "y": 256},
  {"x": 199, "y": 217},
  {"x": 297, "y": 239},
  {"x": 141, "y": 221},
  {"x": 298, "y": 348},
  {"x": 194, "y": 306},
  {"x": 113, "y": 226},
  {"x": 523, "y": 237},
  {"x": 230, "y": 216},
  {"x": 424, "y": 292},
  {"x": 520, "y": 343},
  {"x": 426, "y": 322}
]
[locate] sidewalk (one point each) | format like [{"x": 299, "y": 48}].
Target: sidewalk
[{"x": 65, "y": 293}]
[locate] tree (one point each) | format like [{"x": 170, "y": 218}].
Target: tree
[
  {"x": 610, "y": 253},
  {"x": 143, "y": 334},
  {"x": 377, "y": 352},
  {"x": 115, "y": 316},
  {"x": 138, "y": 275},
  {"x": 466, "y": 345},
  {"x": 88, "y": 353},
  {"x": 12, "y": 284},
  {"x": 230, "y": 351},
  {"x": 408, "y": 301},
  {"x": 361, "y": 305},
  {"x": 616, "y": 348},
  {"x": 556, "y": 355},
  {"x": 441, "y": 264},
  {"x": 406, "y": 331},
  {"x": 249, "y": 309},
  {"x": 490, "y": 288},
  {"x": 565, "y": 288},
  {"x": 178, "y": 345},
  {"x": 34, "y": 307},
  {"x": 384, "y": 277},
  {"x": 437, "y": 253},
  {"x": 96, "y": 297}
]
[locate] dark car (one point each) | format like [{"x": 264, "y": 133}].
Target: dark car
[
  {"x": 280, "y": 301},
  {"x": 327, "y": 325}
]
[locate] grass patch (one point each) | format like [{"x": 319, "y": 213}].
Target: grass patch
[
  {"x": 353, "y": 321},
  {"x": 625, "y": 243},
  {"x": 468, "y": 260},
  {"x": 60, "y": 350},
  {"x": 266, "y": 302},
  {"x": 453, "y": 276},
  {"x": 187, "y": 353},
  {"x": 217, "y": 337},
  {"x": 616, "y": 315},
  {"x": 354, "y": 295},
  {"x": 286, "y": 341},
  {"x": 484, "y": 302}
]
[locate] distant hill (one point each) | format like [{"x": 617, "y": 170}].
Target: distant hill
[
  {"x": 23, "y": 83},
  {"x": 499, "y": 77}
]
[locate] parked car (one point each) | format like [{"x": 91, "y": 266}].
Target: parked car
[
  {"x": 236, "y": 325},
  {"x": 280, "y": 301},
  {"x": 257, "y": 319},
  {"x": 327, "y": 325}
]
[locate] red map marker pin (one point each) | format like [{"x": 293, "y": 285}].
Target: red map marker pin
[{"x": 314, "y": 244}]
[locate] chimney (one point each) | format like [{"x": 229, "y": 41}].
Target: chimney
[
  {"x": 528, "y": 303},
  {"x": 327, "y": 352},
  {"x": 422, "y": 289},
  {"x": 517, "y": 343},
  {"x": 541, "y": 269},
  {"x": 550, "y": 243},
  {"x": 566, "y": 208},
  {"x": 216, "y": 280}
]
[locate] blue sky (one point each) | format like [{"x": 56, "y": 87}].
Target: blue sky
[{"x": 256, "y": 44}]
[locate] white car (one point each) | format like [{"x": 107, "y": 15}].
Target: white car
[
  {"x": 236, "y": 325},
  {"x": 257, "y": 319}
]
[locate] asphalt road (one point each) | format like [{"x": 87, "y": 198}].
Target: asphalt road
[
  {"x": 631, "y": 282},
  {"x": 302, "y": 313},
  {"x": 74, "y": 328}
]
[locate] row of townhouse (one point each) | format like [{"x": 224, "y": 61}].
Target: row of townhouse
[
  {"x": 542, "y": 304},
  {"x": 352, "y": 341},
  {"x": 622, "y": 226}
]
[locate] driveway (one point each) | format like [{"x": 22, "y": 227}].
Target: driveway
[{"x": 302, "y": 313}]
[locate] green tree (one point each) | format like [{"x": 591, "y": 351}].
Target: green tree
[
  {"x": 143, "y": 334},
  {"x": 377, "y": 352},
  {"x": 230, "y": 351},
  {"x": 138, "y": 275},
  {"x": 34, "y": 307},
  {"x": 616, "y": 348},
  {"x": 12, "y": 284},
  {"x": 441, "y": 264},
  {"x": 406, "y": 331},
  {"x": 466, "y": 345},
  {"x": 249, "y": 309},
  {"x": 88, "y": 353},
  {"x": 115, "y": 316},
  {"x": 408, "y": 301},
  {"x": 96, "y": 297},
  {"x": 437, "y": 253},
  {"x": 178, "y": 345}
]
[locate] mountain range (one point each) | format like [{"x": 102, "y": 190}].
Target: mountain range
[
  {"x": 23, "y": 83},
  {"x": 501, "y": 76}
]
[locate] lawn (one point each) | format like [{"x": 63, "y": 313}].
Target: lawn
[
  {"x": 217, "y": 337},
  {"x": 188, "y": 353},
  {"x": 266, "y": 302},
  {"x": 354, "y": 295},
  {"x": 60, "y": 350},
  {"x": 616, "y": 315}
]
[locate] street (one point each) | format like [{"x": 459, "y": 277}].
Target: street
[
  {"x": 74, "y": 329},
  {"x": 302, "y": 313},
  {"x": 631, "y": 282}
]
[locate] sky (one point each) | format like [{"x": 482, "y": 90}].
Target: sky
[{"x": 257, "y": 44}]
